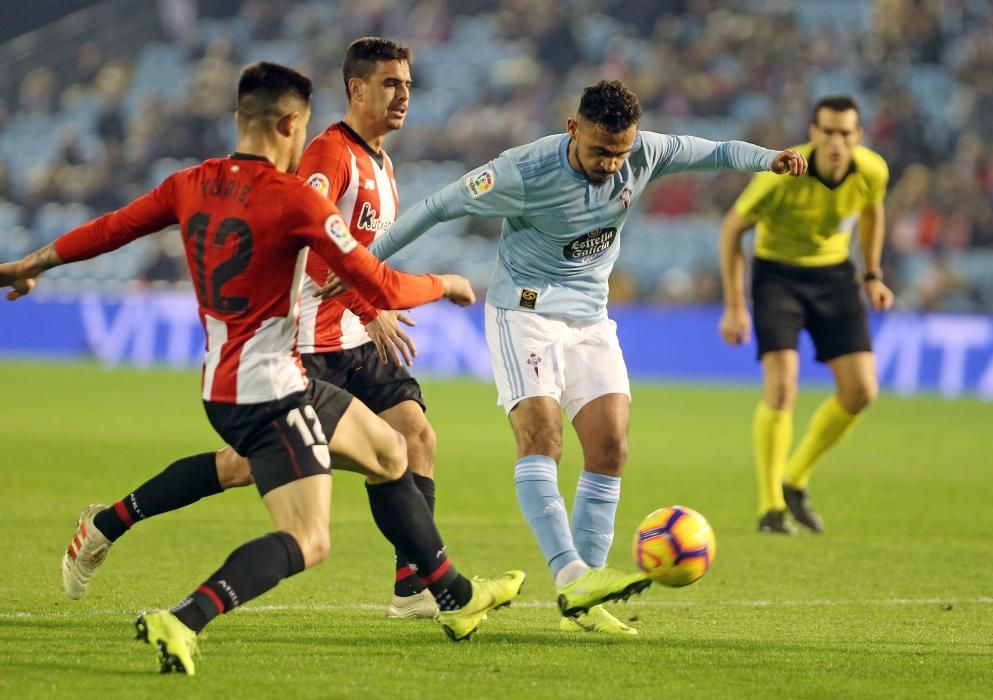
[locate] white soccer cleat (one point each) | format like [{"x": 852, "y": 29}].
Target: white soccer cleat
[
  {"x": 420, "y": 606},
  {"x": 86, "y": 552}
]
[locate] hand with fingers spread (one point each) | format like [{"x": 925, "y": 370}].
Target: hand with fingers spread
[
  {"x": 391, "y": 343},
  {"x": 789, "y": 162}
]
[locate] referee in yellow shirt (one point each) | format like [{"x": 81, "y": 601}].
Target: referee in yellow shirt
[{"x": 802, "y": 279}]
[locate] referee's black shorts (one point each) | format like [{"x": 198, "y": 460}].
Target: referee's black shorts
[{"x": 825, "y": 300}]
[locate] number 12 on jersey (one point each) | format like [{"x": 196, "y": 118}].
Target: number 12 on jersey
[{"x": 208, "y": 282}]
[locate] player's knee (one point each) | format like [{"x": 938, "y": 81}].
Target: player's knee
[
  {"x": 780, "y": 394},
  {"x": 315, "y": 544},
  {"x": 861, "y": 397},
  {"x": 393, "y": 456},
  {"x": 233, "y": 470},
  {"x": 421, "y": 444},
  {"x": 609, "y": 456},
  {"x": 540, "y": 442}
]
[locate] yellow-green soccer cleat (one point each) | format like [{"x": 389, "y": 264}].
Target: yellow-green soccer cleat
[
  {"x": 598, "y": 586},
  {"x": 421, "y": 606},
  {"x": 487, "y": 594},
  {"x": 596, "y": 619},
  {"x": 175, "y": 642},
  {"x": 85, "y": 553}
]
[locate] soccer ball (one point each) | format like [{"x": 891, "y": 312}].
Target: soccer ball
[{"x": 674, "y": 546}]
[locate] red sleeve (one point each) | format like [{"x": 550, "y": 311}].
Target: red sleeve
[
  {"x": 326, "y": 171},
  {"x": 149, "y": 213},
  {"x": 318, "y": 224}
]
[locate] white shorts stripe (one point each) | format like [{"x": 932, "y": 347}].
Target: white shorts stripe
[{"x": 507, "y": 347}]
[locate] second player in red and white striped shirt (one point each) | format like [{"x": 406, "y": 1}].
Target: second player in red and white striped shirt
[{"x": 347, "y": 164}]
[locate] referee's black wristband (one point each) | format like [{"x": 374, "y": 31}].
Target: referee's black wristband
[{"x": 873, "y": 275}]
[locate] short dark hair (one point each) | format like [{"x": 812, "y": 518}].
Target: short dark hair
[
  {"x": 835, "y": 103},
  {"x": 262, "y": 85},
  {"x": 363, "y": 54},
  {"x": 611, "y": 105}
]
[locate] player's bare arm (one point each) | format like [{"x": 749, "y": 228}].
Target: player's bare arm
[
  {"x": 22, "y": 274},
  {"x": 736, "y": 323},
  {"x": 872, "y": 231},
  {"x": 789, "y": 162}
]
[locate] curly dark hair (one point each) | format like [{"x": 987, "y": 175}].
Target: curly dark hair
[
  {"x": 363, "y": 54},
  {"x": 611, "y": 105}
]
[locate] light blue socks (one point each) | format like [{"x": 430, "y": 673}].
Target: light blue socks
[
  {"x": 536, "y": 480},
  {"x": 593, "y": 516}
]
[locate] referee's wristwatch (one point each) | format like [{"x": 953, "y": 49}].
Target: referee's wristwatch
[{"x": 873, "y": 275}]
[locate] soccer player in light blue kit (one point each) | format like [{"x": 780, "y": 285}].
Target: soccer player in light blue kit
[{"x": 564, "y": 200}]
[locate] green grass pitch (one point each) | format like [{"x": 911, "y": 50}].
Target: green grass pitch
[{"x": 895, "y": 600}]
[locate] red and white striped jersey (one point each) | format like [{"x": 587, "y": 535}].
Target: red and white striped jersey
[
  {"x": 339, "y": 164},
  {"x": 246, "y": 228}
]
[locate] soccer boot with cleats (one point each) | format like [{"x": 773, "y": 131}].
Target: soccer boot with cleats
[
  {"x": 599, "y": 585},
  {"x": 798, "y": 501},
  {"x": 487, "y": 594},
  {"x": 175, "y": 642},
  {"x": 421, "y": 606},
  {"x": 596, "y": 619},
  {"x": 85, "y": 553},
  {"x": 774, "y": 521}
]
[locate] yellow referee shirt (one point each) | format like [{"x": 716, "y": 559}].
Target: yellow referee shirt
[{"x": 802, "y": 220}]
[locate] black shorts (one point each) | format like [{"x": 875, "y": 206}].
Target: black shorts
[
  {"x": 827, "y": 301},
  {"x": 379, "y": 385},
  {"x": 283, "y": 440}
]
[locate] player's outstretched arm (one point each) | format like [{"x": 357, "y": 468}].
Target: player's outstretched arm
[
  {"x": 681, "y": 153},
  {"x": 147, "y": 214},
  {"x": 21, "y": 275},
  {"x": 494, "y": 190},
  {"x": 735, "y": 324}
]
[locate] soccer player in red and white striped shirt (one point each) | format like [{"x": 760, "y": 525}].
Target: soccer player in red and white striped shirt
[
  {"x": 347, "y": 164},
  {"x": 246, "y": 227}
]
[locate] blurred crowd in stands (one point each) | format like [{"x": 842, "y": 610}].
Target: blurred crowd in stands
[{"x": 490, "y": 74}]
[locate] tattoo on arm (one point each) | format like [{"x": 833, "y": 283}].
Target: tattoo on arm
[{"x": 42, "y": 259}]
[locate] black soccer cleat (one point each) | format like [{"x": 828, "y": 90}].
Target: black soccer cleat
[
  {"x": 774, "y": 521},
  {"x": 798, "y": 501}
]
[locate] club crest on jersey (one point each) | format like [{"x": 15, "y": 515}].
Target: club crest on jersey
[
  {"x": 626, "y": 197},
  {"x": 338, "y": 232},
  {"x": 590, "y": 246},
  {"x": 320, "y": 182},
  {"x": 533, "y": 361},
  {"x": 479, "y": 183}
]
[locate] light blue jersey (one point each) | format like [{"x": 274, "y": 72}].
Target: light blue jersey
[{"x": 561, "y": 232}]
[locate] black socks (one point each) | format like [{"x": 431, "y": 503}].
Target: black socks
[
  {"x": 402, "y": 515},
  {"x": 251, "y": 570},
  {"x": 183, "y": 482}
]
